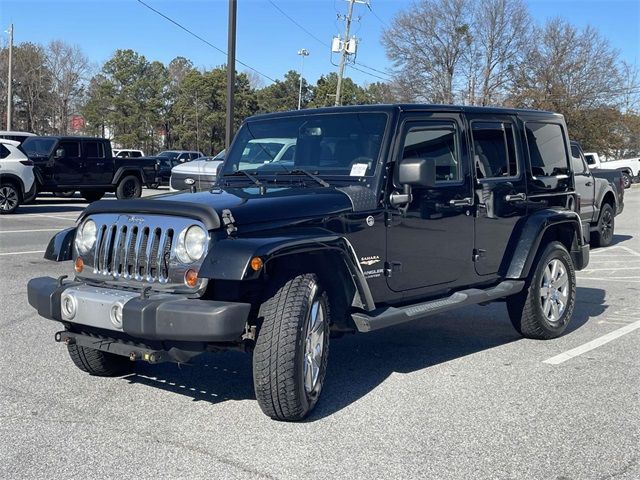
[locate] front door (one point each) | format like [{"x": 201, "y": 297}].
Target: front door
[
  {"x": 584, "y": 184},
  {"x": 500, "y": 188},
  {"x": 69, "y": 168},
  {"x": 430, "y": 241}
]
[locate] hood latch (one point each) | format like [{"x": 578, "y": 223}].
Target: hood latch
[{"x": 229, "y": 222}]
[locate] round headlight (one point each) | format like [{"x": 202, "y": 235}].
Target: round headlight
[
  {"x": 86, "y": 236},
  {"x": 192, "y": 244}
]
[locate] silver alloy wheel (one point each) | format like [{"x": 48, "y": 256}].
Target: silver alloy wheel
[
  {"x": 8, "y": 198},
  {"x": 314, "y": 342},
  {"x": 554, "y": 290}
]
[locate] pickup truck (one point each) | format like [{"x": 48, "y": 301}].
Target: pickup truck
[
  {"x": 601, "y": 194},
  {"x": 385, "y": 214},
  {"x": 67, "y": 164},
  {"x": 629, "y": 168}
]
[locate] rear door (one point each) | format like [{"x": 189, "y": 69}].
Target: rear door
[
  {"x": 500, "y": 186},
  {"x": 98, "y": 168},
  {"x": 585, "y": 184}
]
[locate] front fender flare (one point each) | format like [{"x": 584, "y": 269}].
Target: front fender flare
[
  {"x": 60, "y": 248},
  {"x": 229, "y": 258}
]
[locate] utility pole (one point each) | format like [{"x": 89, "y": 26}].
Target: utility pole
[
  {"x": 10, "y": 79},
  {"x": 303, "y": 52},
  {"x": 344, "y": 48},
  {"x": 231, "y": 72}
]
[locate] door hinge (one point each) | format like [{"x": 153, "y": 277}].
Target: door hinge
[
  {"x": 387, "y": 219},
  {"x": 478, "y": 253},
  {"x": 390, "y": 267}
]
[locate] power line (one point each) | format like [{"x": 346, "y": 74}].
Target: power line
[
  {"x": 368, "y": 73},
  {"x": 376, "y": 15},
  {"x": 203, "y": 40},
  {"x": 297, "y": 24},
  {"x": 388, "y": 75}
]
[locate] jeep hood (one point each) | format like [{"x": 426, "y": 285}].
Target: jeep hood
[{"x": 247, "y": 205}]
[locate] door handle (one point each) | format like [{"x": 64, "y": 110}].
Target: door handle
[
  {"x": 588, "y": 184},
  {"x": 463, "y": 202},
  {"x": 516, "y": 197}
]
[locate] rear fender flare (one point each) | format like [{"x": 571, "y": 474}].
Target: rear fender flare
[
  {"x": 229, "y": 259},
  {"x": 531, "y": 236},
  {"x": 124, "y": 171}
]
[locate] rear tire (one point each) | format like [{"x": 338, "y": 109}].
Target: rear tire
[
  {"x": 129, "y": 187},
  {"x": 65, "y": 194},
  {"x": 92, "y": 195},
  {"x": 626, "y": 180},
  {"x": 290, "y": 356},
  {"x": 10, "y": 198},
  {"x": 603, "y": 236},
  {"x": 543, "y": 309},
  {"x": 99, "y": 363}
]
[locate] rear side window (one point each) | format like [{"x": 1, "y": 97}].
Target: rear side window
[
  {"x": 547, "y": 150},
  {"x": 494, "y": 149},
  {"x": 134, "y": 154},
  {"x": 93, "y": 150},
  {"x": 71, "y": 149},
  {"x": 4, "y": 151}
]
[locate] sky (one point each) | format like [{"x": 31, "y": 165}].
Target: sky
[{"x": 266, "y": 39}]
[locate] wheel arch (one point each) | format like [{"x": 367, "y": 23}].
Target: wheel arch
[
  {"x": 14, "y": 180},
  {"x": 325, "y": 254},
  {"x": 541, "y": 228},
  {"x": 126, "y": 171}
]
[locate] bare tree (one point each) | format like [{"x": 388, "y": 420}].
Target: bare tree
[
  {"x": 501, "y": 32},
  {"x": 69, "y": 68},
  {"x": 427, "y": 43}
]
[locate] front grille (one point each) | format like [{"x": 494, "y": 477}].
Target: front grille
[{"x": 133, "y": 252}]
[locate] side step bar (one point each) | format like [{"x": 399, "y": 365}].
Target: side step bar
[{"x": 389, "y": 316}]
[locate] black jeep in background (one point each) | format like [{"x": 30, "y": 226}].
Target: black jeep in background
[
  {"x": 67, "y": 164},
  {"x": 384, "y": 215}
]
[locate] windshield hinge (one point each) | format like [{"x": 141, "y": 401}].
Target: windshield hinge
[{"x": 228, "y": 221}]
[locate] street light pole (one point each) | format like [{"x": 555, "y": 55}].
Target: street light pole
[
  {"x": 10, "y": 79},
  {"x": 303, "y": 52}
]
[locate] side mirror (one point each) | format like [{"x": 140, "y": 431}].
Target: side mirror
[
  {"x": 59, "y": 153},
  {"x": 417, "y": 172},
  {"x": 219, "y": 170}
]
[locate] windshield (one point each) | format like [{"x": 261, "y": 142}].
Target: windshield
[
  {"x": 38, "y": 147},
  {"x": 167, "y": 154},
  {"x": 342, "y": 144}
]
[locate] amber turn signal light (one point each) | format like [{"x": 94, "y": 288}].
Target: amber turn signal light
[
  {"x": 256, "y": 263},
  {"x": 191, "y": 278},
  {"x": 79, "y": 265}
]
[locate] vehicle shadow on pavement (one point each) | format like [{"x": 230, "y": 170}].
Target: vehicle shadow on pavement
[
  {"x": 617, "y": 238},
  {"x": 358, "y": 364},
  {"x": 53, "y": 207}
]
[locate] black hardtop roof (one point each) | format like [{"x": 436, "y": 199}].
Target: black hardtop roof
[
  {"x": 407, "y": 107},
  {"x": 73, "y": 137}
]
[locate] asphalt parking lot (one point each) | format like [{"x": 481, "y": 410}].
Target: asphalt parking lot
[{"x": 459, "y": 395}]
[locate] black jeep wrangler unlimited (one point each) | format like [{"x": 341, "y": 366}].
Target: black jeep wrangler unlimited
[
  {"x": 66, "y": 164},
  {"x": 382, "y": 215}
]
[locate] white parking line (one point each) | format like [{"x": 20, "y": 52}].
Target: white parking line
[
  {"x": 38, "y": 215},
  {"x": 21, "y": 253},
  {"x": 612, "y": 268},
  {"x": 610, "y": 279},
  {"x": 574, "y": 352},
  {"x": 31, "y": 231}
]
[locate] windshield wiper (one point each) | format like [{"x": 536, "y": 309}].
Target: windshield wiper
[
  {"x": 299, "y": 171},
  {"x": 255, "y": 181}
]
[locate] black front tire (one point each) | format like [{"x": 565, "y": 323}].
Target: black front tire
[
  {"x": 527, "y": 308},
  {"x": 92, "y": 195},
  {"x": 603, "y": 236},
  {"x": 99, "y": 363},
  {"x": 129, "y": 187},
  {"x": 286, "y": 377},
  {"x": 626, "y": 180}
]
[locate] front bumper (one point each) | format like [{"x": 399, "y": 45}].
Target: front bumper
[
  {"x": 163, "y": 317},
  {"x": 580, "y": 257}
]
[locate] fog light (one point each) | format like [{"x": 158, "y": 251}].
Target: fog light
[
  {"x": 256, "y": 263},
  {"x": 79, "y": 266},
  {"x": 68, "y": 305},
  {"x": 116, "y": 314},
  {"x": 191, "y": 278}
]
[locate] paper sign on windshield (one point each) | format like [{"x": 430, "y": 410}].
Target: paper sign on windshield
[{"x": 359, "y": 169}]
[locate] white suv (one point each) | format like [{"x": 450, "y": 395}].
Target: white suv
[{"x": 17, "y": 183}]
